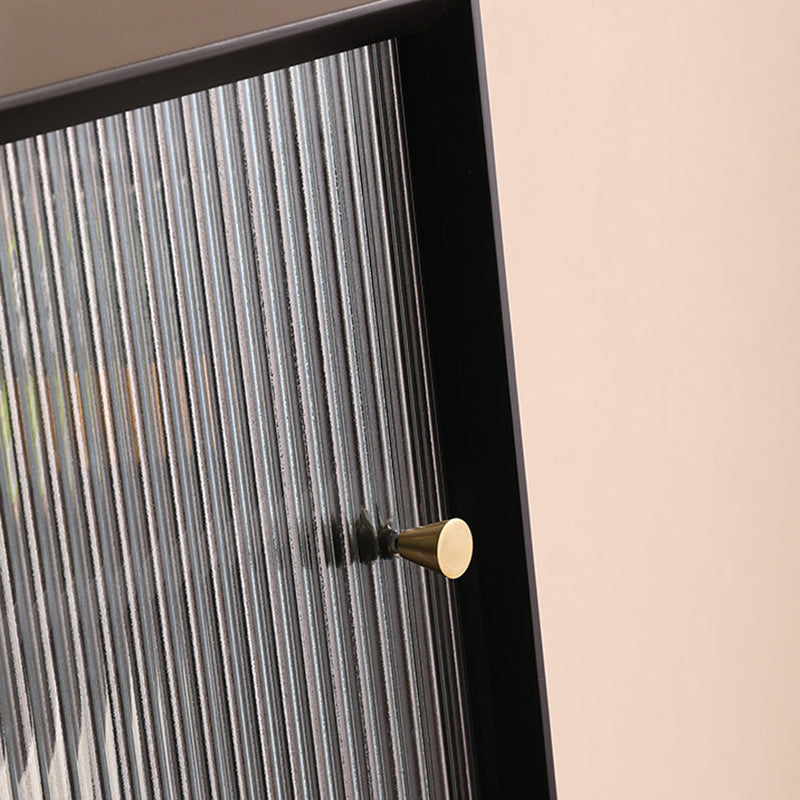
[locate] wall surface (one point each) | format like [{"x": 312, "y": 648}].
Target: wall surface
[
  {"x": 649, "y": 168},
  {"x": 45, "y": 41}
]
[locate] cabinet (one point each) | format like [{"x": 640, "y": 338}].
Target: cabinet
[{"x": 252, "y": 322}]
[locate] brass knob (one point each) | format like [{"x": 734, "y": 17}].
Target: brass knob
[{"x": 444, "y": 546}]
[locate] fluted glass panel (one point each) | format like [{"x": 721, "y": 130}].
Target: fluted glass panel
[{"x": 214, "y": 403}]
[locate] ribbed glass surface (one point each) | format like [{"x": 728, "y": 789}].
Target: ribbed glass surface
[{"x": 214, "y": 398}]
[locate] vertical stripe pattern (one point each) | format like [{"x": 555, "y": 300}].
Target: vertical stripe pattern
[{"x": 214, "y": 403}]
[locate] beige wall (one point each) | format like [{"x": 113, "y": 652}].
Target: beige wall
[
  {"x": 649, "y": 171},
  {"x": 45, "y": 41}
]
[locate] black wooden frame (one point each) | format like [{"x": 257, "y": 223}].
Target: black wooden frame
[{"x": 453, "y": 185}]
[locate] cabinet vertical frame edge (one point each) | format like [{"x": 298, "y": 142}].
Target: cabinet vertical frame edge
[{"x": 456, "y": 209}]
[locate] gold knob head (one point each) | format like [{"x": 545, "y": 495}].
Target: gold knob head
[{"x": 445, "y": 546}]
